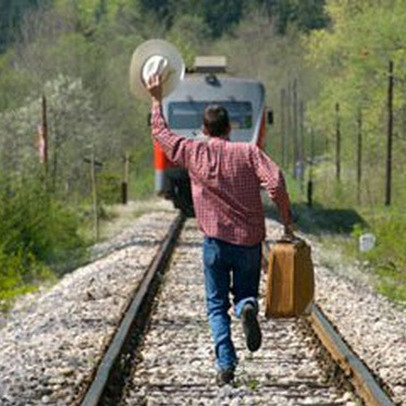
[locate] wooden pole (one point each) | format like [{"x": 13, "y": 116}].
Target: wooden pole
[
  {"x": 338, "y": 143},
  {"x": 295, "y": 127},
  {"x": 94, "y": 195},
  {"x": 289, "y": 124},
  {"x": 388, "y": 189},
  {"x": 300, "y": 144},
  {"x": 44, "y": 134},
  {"x": 124, "y": 184},
  {"x": 359, "y": 156},
  {"x": 283, "y": 130},
  {"x": 310, "y": 181}
]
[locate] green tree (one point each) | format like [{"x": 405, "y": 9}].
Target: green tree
[
  {"x": 352, "y": 63},
  {"x": 306, "y": 14},
  {"x": 11, "y": 13}
]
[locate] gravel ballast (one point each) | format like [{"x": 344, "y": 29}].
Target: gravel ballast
[
  {"x": 177, "y": 358},
  {"x": 373, "y": 326},
  {"x": 53, "y": 340}
]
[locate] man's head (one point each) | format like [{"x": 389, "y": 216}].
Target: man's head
[{"x": 216, "y": 121}]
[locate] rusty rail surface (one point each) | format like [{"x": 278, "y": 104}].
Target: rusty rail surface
[
  {"x": 98, "y": 386},
  {"x": 357, "y": 373}
]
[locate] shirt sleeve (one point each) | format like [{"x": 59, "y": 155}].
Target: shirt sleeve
[
  {"x": 176, "y": 148},
  {"x": 272, "y": 179}
]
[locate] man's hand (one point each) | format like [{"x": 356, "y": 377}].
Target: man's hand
[
  {"x": 288, "y": 234},
  {"x": 154, "y": 86}
]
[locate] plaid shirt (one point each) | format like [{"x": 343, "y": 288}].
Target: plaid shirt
[{"x": 226, "y": 180}]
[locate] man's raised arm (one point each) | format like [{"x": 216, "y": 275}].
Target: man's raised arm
[{"x": 174, "y": 146}]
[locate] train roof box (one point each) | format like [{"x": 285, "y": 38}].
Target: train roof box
[{"x": 210, "y": 64}]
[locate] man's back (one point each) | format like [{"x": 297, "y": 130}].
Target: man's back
[
  {"x": 226, "y": 191},
  {"x": 226, "y": 179}
]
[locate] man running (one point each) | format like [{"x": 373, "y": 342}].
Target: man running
[{"x": 226, "y": 179}]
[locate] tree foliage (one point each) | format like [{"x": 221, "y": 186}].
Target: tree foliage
[
  {"x": 352, "y": 60},
  {"x": 306, "y": 15},
  {"x": 77, "y": 52},
  {"x": 11, "y": 13}
]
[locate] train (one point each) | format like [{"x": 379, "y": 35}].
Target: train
[{"x": 208, "y": 82}]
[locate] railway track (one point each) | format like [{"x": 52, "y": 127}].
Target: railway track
[{"x": 172, "y": 364}]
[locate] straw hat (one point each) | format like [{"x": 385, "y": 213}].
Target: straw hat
[{"x": 155, "y": 56}]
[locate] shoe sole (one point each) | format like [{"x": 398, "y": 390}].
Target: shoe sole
[
  {"x": 224, "y": 378},
  {"x": 251, "y": 328}
]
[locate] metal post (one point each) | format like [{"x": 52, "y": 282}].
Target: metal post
[
  {"x": 124, "y": 184},
  {"x": 338, "y": 143},
  {"x": 389, "y": 138}
]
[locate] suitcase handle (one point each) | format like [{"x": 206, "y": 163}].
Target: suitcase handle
[{"x": 295, "y": 240}]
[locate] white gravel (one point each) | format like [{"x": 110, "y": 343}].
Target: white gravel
[
  {"x": 53, "y": 340},
  {"x": 373, "y": 326},
  {"x": 177, "y": 366}
]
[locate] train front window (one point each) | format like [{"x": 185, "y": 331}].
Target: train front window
[{"x": 189, "y": 115}]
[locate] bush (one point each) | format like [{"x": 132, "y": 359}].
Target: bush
[
  {"x": 38, "y": 226},
  {"x": 19, "y": 273},
  {"x": 109, "y": 187}
]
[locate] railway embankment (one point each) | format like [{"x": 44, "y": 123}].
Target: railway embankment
[
  {"x": 373, "y": 325},
  {"x": 53, "y": 339}
]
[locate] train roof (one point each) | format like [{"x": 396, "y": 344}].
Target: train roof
[{"x": 212, "y": 87}]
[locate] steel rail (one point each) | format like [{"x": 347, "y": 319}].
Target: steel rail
[
  {"x": 97, "y": 388},
  {"x": 355, "y": 370}
]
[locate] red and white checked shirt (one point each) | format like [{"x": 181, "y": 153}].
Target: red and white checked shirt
[{"x": 226, "y": 178}]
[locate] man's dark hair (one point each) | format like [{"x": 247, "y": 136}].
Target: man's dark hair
[{"x": 216, "y": 121}]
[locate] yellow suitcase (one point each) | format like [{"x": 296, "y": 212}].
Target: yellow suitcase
[{"x": 290, "y": 280}]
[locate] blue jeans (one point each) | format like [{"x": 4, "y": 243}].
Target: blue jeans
[{"x": 221, "y": 260}]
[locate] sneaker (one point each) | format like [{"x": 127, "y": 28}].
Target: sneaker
[
  {"x": 224, "y": 376},
  {"x": 251, "y": 327}
]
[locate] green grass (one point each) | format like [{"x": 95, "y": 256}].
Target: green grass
[
  {"x": 38, "y": 237},
  {"x": 338, "y": 221},
  {"x": 21, "y": 273},
  {"x": 253, "y": 384},
  {"x": 388, "y": 259},
  {"x": 142, "y": 183}
]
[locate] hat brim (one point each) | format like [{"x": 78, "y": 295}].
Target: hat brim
[{"x": 176, "y": 67}]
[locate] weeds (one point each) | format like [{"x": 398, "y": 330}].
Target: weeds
[
  {"x": 38, "y": 238},
  {"x": 339, "y": 223}
]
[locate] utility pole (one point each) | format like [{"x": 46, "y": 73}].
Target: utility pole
[
  {"x": 295, "y": 127},
  {"x": 289, "y": 123},
  {"x": 310, "y": 181},
  {"x": 338, "y": 143},
  {"x": 388, "y": 190},
  {"x": 359, "y": 156},
  {"x": 93, "y": 165},
  {"x": 300, "y": 144},
  {"x": 282, "y": 129},
  {"x": 94, "y": 194},
  {"x": 43, "y": 137}
]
